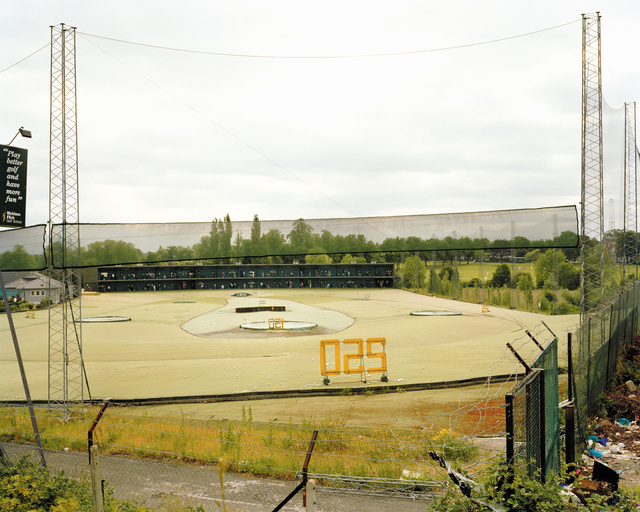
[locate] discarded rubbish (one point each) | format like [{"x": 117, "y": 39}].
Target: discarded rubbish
[
  {"x": 465, "y": 484},
  {"x": 604, "y": 482},
  {"x": 595, "y": 453}
]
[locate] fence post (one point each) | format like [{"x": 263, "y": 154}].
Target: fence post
[
  {"x": 610, "y": 344},
  {"x": 311, "y": 495},
  {"x": 543, "y": 425},
  {"x": 96, "y": 481},
  {"x": 94, "y": 425},
  {"x": 570, "y": 367},
  {"x": 570, "y": 439},
  {"x": 302, "y": 485},
  {"x": 508, "y": 399},
  {"x": 307, "y": 459},
  {"x": 588, "y": 397}
]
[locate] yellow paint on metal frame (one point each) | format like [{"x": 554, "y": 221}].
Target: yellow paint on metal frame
[{"x": 358, "y": 355}]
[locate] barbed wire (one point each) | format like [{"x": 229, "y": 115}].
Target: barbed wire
[{"x": 386, "y": 459}]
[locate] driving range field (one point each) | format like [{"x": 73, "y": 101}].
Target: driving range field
[{"x": 191, "y": 343}]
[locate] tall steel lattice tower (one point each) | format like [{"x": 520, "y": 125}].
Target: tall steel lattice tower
[
  {"x": 66, "y": 368},
  {"x": 630, "y": 192},
  {"x": 592, "y": 255}
]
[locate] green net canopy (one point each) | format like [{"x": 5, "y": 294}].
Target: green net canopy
[{"x": 223, "y": 239}]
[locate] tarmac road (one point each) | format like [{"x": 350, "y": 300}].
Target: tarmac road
[{"x": 155, "y": 483}]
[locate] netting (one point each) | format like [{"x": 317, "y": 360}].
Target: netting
[
  {"x": 618, "y": 227},
  {"x": 222, "y": 239},
  {"x": 195, "y": 460},
  {"x": 533, "y": 429},
  {"x": 599, "y": 343},
  {"x": 155, "y": 457},
  {"x": 23, "y": 248},
  {"x": 528, "y": 417},
  {"x": 548, "y": 361}
]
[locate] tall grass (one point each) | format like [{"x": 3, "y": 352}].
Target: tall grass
[{"x": 267, "y": 449}]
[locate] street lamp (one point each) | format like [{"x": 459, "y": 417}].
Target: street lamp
[{"x": 21, "y": 131}]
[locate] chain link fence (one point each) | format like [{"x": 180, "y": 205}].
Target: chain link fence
[
  {"x": 548, "y": 361},
  {"x": 600, "y": 342},
  {"x": 532, "y": 419},
  {"x": 245, "y": 464},
  {"x": 525, "y": 413}
]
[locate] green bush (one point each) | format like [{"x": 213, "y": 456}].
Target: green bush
[
  {"x": 567, "y": 309},
  {"x": 44, "y": 303},
  {"x": 572, "y": 298},
  {"x": 27, "y": 487},
  {"x": 544, "y": 305},
  {"x": 528, "y": 494}
]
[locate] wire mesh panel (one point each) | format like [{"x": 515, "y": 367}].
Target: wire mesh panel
[
  {"x": 526, "y": 403},
  {"x": 166, "y": 485},
  {"x": 111, "y": 244},
  {"x": 249, "y": 465},
  {"x": 548, "y": 361},
  {"x": 594, "y": 358}
]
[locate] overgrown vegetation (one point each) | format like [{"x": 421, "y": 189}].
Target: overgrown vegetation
[
  {"x": 23, "y": 305},
  {"x": 545, "y": 282},
  {"x": 519, "y": 492},
  {"x": 27, "y": 487},
  {"x": 618, "y": 401},
  {"x": 267, "y": 449}
]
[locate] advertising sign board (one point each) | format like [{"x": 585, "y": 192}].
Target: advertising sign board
[{"x": 13, "y": 186}]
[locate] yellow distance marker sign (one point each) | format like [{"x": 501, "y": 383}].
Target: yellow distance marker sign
[
  {"x": 358, "y": 355},
  {"x": 276, "y": 323}
]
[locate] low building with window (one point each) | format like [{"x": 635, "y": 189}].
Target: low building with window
[
  {"x": 243, "y": 277},
  {"x": 31, "y": 286}
]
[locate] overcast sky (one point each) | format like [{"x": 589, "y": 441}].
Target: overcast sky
[{"x": 180, "y": 136}]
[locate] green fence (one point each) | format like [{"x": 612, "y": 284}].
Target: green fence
[
  {"x": 533, "y": 426},
  {"x": 600, "y": 341},
  {"x": 533, "y": 429},
  {"x": 548, "y": 361}
]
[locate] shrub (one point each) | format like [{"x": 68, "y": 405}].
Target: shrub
[
  {"x": 571, "y": 298},
  {"x": 524, "y": 493},
  {"x": 567, "y": 309},
  {"x": 454, "y": 446},
  {"x": 25, "y": 487},
  {"x": 44, "y": 303},
  {"x": 544, "y": 305}
]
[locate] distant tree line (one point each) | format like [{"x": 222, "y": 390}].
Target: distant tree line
[{"x": 302, "y": 244}]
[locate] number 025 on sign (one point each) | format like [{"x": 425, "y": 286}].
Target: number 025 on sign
[{"x": 354, "y": 358}]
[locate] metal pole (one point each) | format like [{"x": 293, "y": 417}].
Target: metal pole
[
  {"x": 303, "y": 484},
  {"x": 570, "y": 439},
  {"x": 305, "y": 466},
  {"x": 94, "y": 425},
  {"x": 22, "y": 372},
  {"x": 570, "y": 368},
  {"x": 543, "y": 426},
  {"x": 510, "y": 427}
]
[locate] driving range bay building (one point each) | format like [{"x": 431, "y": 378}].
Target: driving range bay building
[{"x": 244, "y": 277}]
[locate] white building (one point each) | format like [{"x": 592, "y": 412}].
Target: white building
[{"x": 31, "y": 286}]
